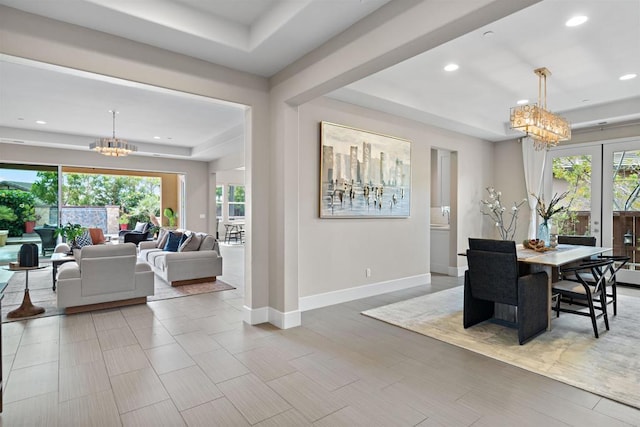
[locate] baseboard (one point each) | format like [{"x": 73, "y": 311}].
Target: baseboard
[
  {"x": 350, "y": 294},
  {"x": 439, "y": 268},
  {"x": 457, "y": 271},
  {"x": 256, "y": 316},
  {"x": 287, "y": 320}
]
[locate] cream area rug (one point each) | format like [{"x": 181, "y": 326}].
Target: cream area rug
[
  {"x": 42, "y": 294},
  {"x": 608, "y": 366}
]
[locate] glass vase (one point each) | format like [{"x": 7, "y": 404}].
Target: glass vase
[{"x": 543, "y": 233}]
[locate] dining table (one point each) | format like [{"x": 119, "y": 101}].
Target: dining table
[{"x": 550, "y": 260}]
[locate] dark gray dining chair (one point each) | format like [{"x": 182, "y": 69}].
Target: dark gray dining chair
[{"x": 493, "y": 277}]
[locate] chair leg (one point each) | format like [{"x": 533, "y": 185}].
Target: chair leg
[
  {"x": 603, "y": 303},
  {"x": 592, "y": 313},
  {"x": 614, "y": 293}
]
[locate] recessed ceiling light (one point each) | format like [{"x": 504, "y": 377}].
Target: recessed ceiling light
[
  {"x": 451, "y": 67},
  {"x": 41, "y": 122},
  {"x": 522, "y": 102},
  {"x": 575, "y": 21},
  {"x": 156, "y": 137},
  {"x": 628, "y": 76}
]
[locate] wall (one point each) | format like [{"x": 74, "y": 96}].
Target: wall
[{"x": 334, "y": 253}]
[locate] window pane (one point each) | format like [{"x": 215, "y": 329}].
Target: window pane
[
  {"x": 236, "y": 193},
  {"x": 573, "y": 174},
  {"x": 236, "y": 209}
]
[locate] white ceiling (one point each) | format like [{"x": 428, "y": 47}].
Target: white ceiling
[{"x": 249, "y": 35}]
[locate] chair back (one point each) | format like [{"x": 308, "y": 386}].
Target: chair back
[
  {"x": 110, "y": 266},
  {"x": 504, "y": 246},
  {"x": 493, "y": 276},
  {"x": 577, "y": 240}
]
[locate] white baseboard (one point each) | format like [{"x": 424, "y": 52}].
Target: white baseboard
[
  {"x": 287, "y": 320},
  {"x": 439, "y": 268},
  {"x": 350, "y": 294},
  {"x": 457, "y": 271},
  {"x": 256, "y": 316}
]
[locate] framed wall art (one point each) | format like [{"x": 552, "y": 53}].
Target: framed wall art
[{"x": 363, "y": 174}]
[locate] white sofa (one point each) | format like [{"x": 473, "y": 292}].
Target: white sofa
[
  {"x": 103, "y": 276},
  {"x": 199, "y": 265}
]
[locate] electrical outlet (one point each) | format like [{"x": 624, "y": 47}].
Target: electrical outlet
[{"x": 367, "y": 272}]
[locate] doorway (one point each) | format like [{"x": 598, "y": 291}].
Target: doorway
[{"x": 603, "y": 181}]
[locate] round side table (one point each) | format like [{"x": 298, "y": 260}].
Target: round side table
[{"x": 26, "y": 309}]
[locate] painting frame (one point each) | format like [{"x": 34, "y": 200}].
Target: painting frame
[{"x": 373, "y": 184}]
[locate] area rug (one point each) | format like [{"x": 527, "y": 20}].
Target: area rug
[
  {"x": 42, "y": 294},
  {"x": 608, "y": 366}
]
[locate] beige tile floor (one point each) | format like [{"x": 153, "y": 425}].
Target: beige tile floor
[{"x": 191, "y": 361}]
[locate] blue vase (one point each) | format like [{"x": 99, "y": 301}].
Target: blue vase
[{"x": 543, "y": 233}]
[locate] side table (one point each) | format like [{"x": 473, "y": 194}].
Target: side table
[
  {"x": 56, "y": 260},
  {"x": 26, "y": 308}
]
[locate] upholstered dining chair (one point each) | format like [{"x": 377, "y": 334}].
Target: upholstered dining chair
[
  {"x": 493, "y": 277},
  {"x": 582, "y": 293}
]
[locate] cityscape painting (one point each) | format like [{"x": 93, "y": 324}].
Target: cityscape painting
[{"x": 363, "y": 174}]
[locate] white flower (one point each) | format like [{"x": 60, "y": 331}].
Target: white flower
[
  {"x": 497, "y": 224},
  {"x": 503, "y": 209},
  {"x": 514, "y": 208},
  {"x": 499, "y": 193}
]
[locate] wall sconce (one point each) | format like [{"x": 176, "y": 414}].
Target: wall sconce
[{"x": 628, "y": 238}]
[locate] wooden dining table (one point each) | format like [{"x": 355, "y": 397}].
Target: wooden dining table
[{"x": 550, "y": 262}]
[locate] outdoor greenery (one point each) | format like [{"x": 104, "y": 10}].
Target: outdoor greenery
[
  {"x": 16, "y": 200},
  {"x": 137, "y": 196},
  {"x": 171, "y": 216},
  {"x": 6, "y": 213},
  {"x": 70, "y": 232},
  {"x": 576, "y": 172}
]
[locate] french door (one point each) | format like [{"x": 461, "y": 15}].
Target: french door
[{"x": 603, "y": 181}]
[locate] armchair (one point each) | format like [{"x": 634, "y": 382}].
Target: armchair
[
  {"x": 103, "y": 276},
  {"x": 47, "y": 235},
  {"x": 137, "y": 235},
  {"x": 493, "y": 277}
]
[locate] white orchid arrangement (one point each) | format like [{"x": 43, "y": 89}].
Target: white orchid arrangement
[{"x": 505, "y": 221}]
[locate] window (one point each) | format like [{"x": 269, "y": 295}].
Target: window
[
  {"x": 236, "y": 201},
  {"x": 219, "y": 200}
]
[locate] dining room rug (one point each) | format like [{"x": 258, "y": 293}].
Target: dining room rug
[
  {"x": 42, "y": 294},
  {"x": 608, "y": 366}
]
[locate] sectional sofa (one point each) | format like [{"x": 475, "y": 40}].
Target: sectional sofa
[{"x": 196, "y": 260}]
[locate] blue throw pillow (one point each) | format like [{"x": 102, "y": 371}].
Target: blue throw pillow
[{"x": 173, "y": 242}]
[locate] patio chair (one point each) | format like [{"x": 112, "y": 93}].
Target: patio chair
[
  {"x": 48, "y": 238},
  {"x": 492, "y": 278},
  {"x": 582, "y": 293}
]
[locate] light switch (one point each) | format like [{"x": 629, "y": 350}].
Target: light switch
[{"x": 203, "y": 216}]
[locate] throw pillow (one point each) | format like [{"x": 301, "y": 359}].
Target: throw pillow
[
  {"x": 207, "y": 243},
  {"x": 163, "y": 234},
  {"x": 173, "y": 242},
  {"x": 140, "y": 227},
  {"x": 84, "y": 240},
  {"x": 191, "y": 244},
  {"x": 97, "y": 236}
]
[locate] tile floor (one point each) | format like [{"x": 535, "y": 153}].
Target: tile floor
[{"x": 191, "y": 361}]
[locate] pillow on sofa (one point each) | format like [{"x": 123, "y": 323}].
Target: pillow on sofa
[
  {"x": 173, "y": 242},
  {"x": 163, "y": 235},
  {"x": 97, "y": 236},
  {"x": 207, "y": 244},
  {"x": 141, "y": 227},
  {"x": 84, "y": 239},
  {"x": 192, "y": 243}
]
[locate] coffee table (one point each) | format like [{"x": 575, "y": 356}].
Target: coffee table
[
  {"x": 26, "y": 308},
  {"x": 56, "y": 260}
]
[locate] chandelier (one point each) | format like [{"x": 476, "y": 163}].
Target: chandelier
[
  {"x": 545, "y": 128},
  {"x": 113, "y": 146}
]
